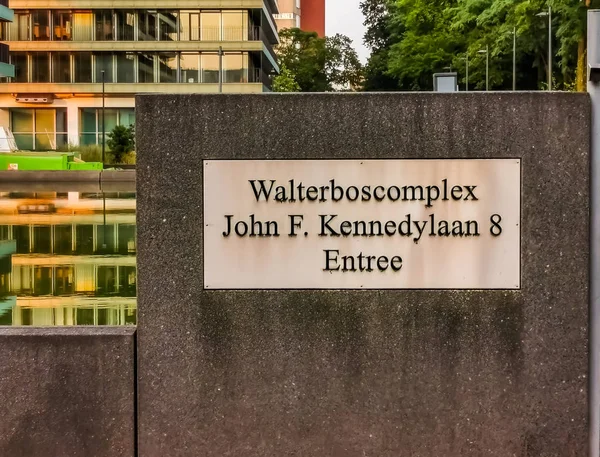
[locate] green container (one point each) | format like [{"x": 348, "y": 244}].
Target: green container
[{"x": 28, "y": 161}]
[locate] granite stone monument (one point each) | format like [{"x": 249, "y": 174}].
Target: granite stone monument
[{"x": 352, "y": 275}]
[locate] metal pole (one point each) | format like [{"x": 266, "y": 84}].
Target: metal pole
[
  {"x": 220, "y": 69},
  {"x": 103, "y": 146},
  {"x": 467, "y": 59},
  {"x": 593, "y": 87},
  {"x": 514, "y": 58},
  {"x": 487, "y": 67},
  {"x": 549, "y": 47}
]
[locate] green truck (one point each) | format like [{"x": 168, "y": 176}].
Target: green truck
[{"x": 44, "y": 161}]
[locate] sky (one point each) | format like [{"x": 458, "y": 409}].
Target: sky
[{"x": 345, "y": 17}]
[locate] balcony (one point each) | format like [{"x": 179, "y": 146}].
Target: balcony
[
  {"x": 6, "y": 14},
  {"x": 6, "y": 70}
]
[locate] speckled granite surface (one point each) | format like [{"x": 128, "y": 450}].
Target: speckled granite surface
[{"x": 363, "y": 373}]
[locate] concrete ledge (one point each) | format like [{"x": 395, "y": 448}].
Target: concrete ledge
[
  {"x": 67, "y": 391},
  {"x": 68, "y": 181}
]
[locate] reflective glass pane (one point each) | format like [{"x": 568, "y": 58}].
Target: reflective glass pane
[
  {"x": 127, "y": 116},
  {"x": 61, "y": 120},
  {"x": 41, "y": 240},
  {"x": 210, "y": 68},
  {"x": 168, "y": 67},
  {"x": 63, "y": 281},
  {"x": 146, "y": 68},
  {"x": 211, "y": 26},
  {"x": 104, "y": 25},
  {"x": 42, "y": 281},
  {"x": 168, "y": 25},
  {"x": 233, "y": 29},
  {"x": 40, "y": 20},
  {"x": 44, "y": 141},
  {"x": 21, "y": 120},
  {"x": 83, "y": 67},
  {"x": 61, "y": 67},
  {"x": 190, "y": 66},
  {"x": 233, "y": 68},
  {"x": 83, "y": 26},
  {"x": 87, "y": 120},
  {"x": 21, "y": 63},
  {"x": 126, "y": 68},
  {"x": 84, "y": 239},
  {"x": 40, "y": 67},
  {"x": 44, "y": 120},
  {"x": 147, "y": 27},
  {"x": 63, "y": 22},
  {"x": 63, "y": 239},
  {"x": 21, "y": 236},
  {"x": 125, "y": 25},
  {"x": 24, "y": 141},
  {"x": 104, "y": 61}
]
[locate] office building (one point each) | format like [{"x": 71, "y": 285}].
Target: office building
[
  {"x": 64, "y": 50},
  {"x": 6, "y": 15},
  {"x": 307, "y": 15}
]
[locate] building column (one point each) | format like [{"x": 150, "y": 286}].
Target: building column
[
  {"x": 73, "y": 122},
  {"x": 5, "y": 118}
]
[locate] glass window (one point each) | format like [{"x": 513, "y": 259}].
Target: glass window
[
  {"x": 62, "y": 239},
  {"x": 107, "y": 280},
  {"x": 40, "y": 20},
  {"x": 18, "y": 29},
  {"x": 42, "y": 280},
  {"x": 126, "y": 68},
  {"x": 125, "y": 25},
  {"x": 233, "y": 28},
  {"x": 104, "y": 61},
  {"x": 21, "y": 63},
  {"x": 104, "y": 25},
  {"x": 234, "y": 68},
  {"x": 126, "y": 239},
  {"x": 127, "y": 116},
  {"x": 83, "y": 67},
  {"x": 210, "y": 68},
  {"x": 44, "y": 129},
  {"x": 167, "y": 64},
  {"x": 21, "y": 236},
  {"x": 211, "y": 26},
  {"x": 146, "y": 68},
  {"x": 84, "y": 239},
  {"x": 189, "y": 25},
  {"x": 106, "y": 237},
  {"x": 40, "y": 67},
  {"x": 62, "y": 21},
  {"x": 61, "y": 67},
  {"x": 147, "y": 27},
  {"x": 83, "y": 26},
  {"x": 168, "y": 25},
  {"x": 22, "y": 127},
  {"x": 190, "y": 66},
  {"x": 88, "y": 126},
  {"x": 41, "y": 240},
  {"x": 63, "y": 281}
]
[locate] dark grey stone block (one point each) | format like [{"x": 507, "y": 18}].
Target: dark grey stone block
[
  {"x": 67, "y": 392},
  {"x": 363, "y": 373}
]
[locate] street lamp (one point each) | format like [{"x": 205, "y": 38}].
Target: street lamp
[
  {"x": 466, "y": 59},
  {"x": 514, "y": 58},
  {"x": 103, "y": 147},
  {"x": 486, "y": 51},
  {"x": 549, "y": 14}
]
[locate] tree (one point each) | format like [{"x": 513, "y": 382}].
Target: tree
[
  {"x": 411, "y": 39},
  {"x": 285, "y": 81},
  {"x": 318, "y": 64},
  {"x": 121, "y": 140}
]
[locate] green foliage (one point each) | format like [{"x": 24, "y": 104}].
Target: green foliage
[
  {"x": 121, "y": 140},
  {"x": 412, "y": 39},
  {"x": 317, "y": 64},
  {"x": 285, "y": 81}
]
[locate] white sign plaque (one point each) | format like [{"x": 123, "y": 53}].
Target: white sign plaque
[{"x": 362, "y": 224}]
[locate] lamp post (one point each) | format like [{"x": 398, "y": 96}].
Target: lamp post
[
  {"x": 466, "y": 59},
  {"x": 514, "y": 58},
  {"x": 486, "y": 51},
  {"x": 103, "y": 147},
  {"x": 549, "y": 14}
]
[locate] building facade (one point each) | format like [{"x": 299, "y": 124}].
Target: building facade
[
  {"x": 68, "y": 53},
  {"x": 307, "y": 15},
  {"x": 6, "y": 15}
]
